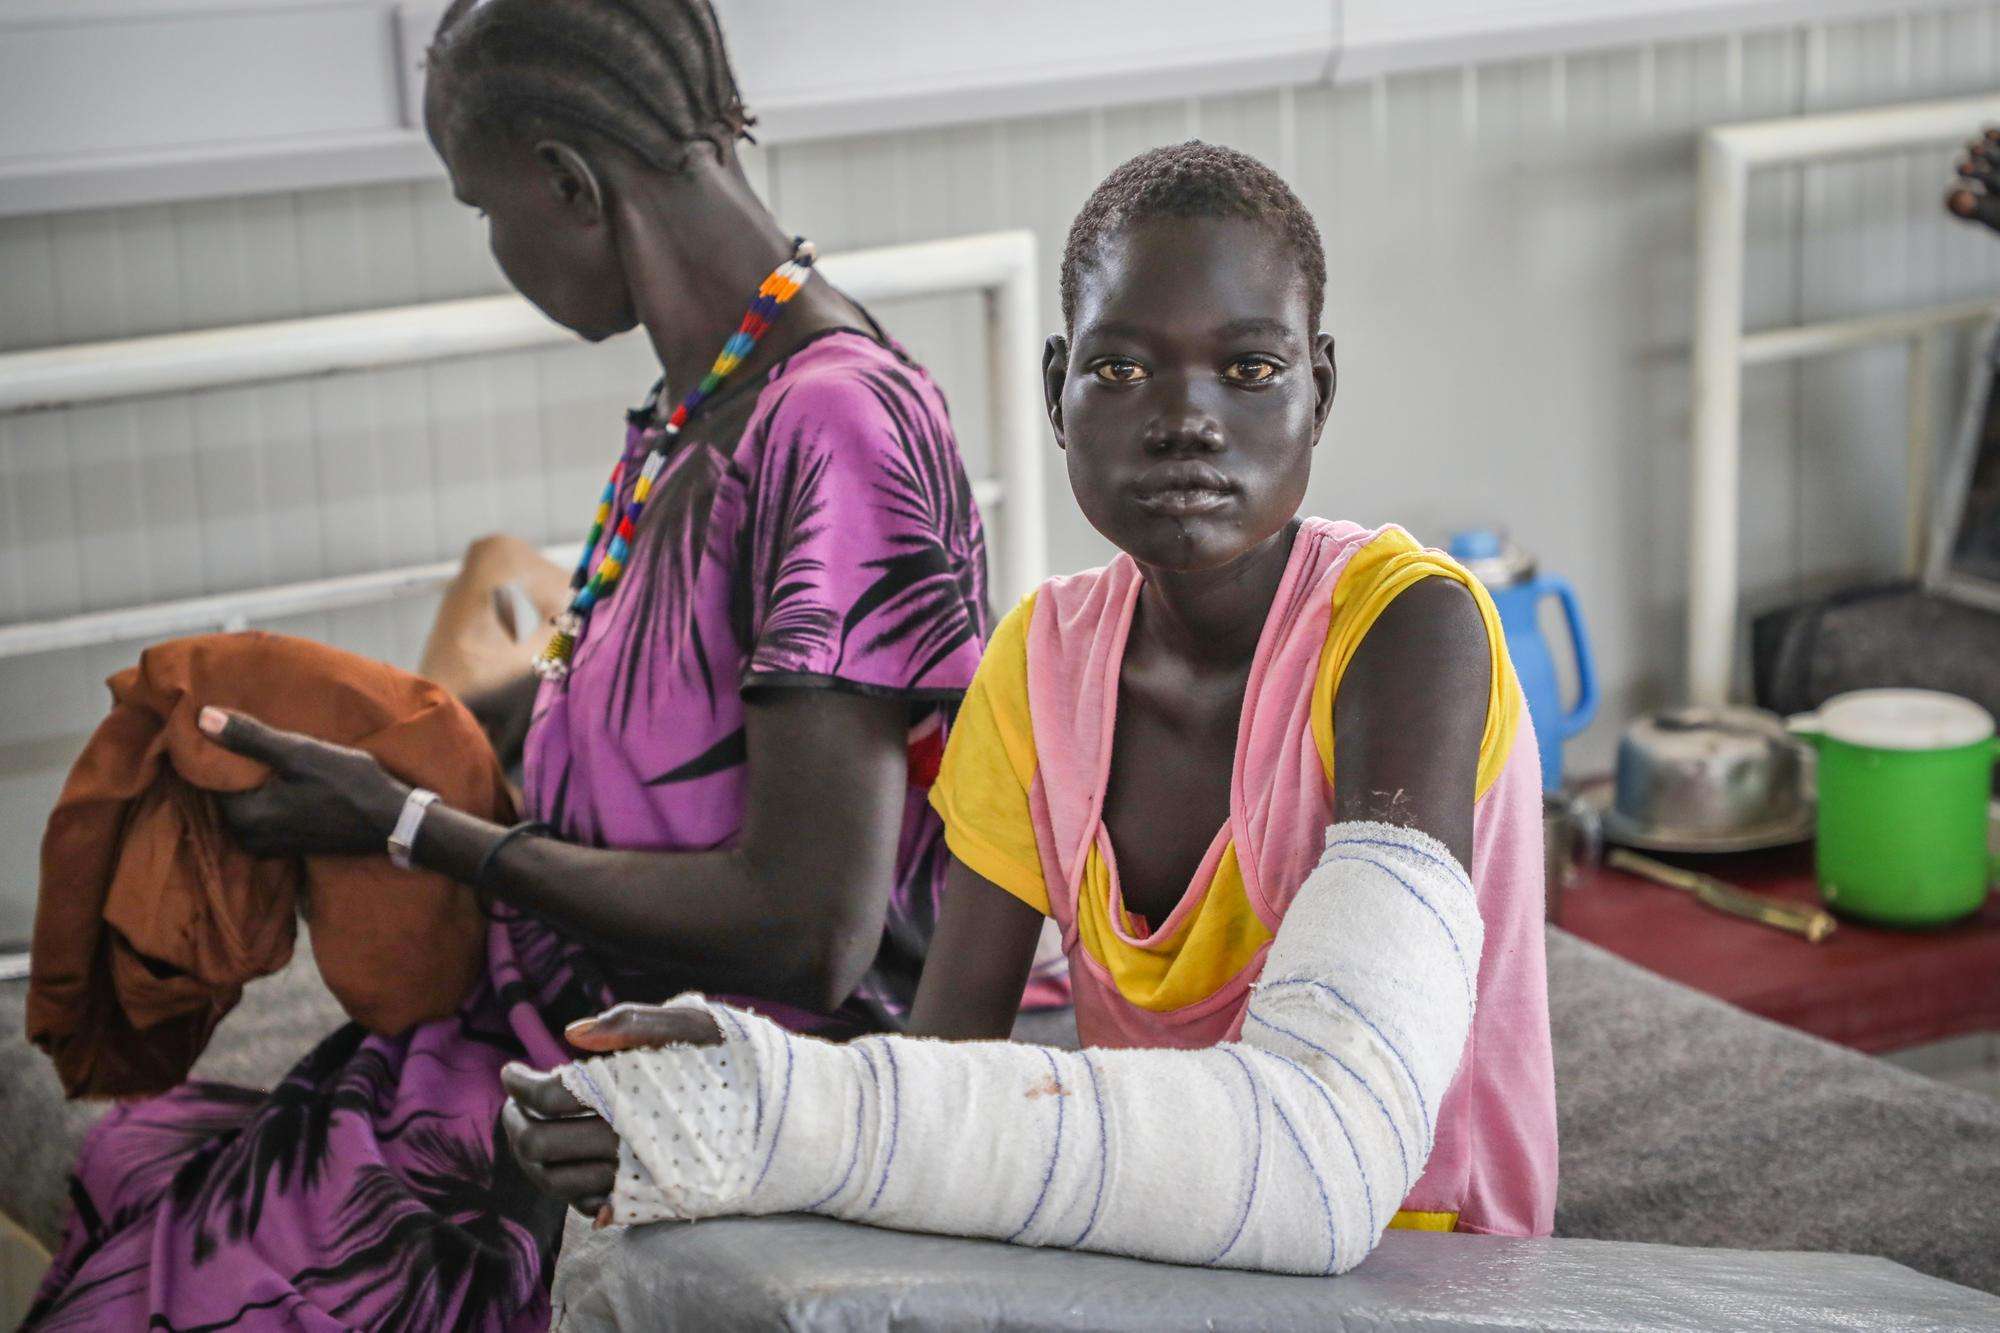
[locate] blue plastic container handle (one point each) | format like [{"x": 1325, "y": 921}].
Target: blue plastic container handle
[{"x": 1580, "y": 715}]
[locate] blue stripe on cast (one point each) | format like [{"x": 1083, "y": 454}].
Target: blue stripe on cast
[
  {"x": 1381, "y": 1036},
  {"x": 895, "y": 1120},
  {"x": 1458, "y": 875},
  {"x": 1402, "y": 1148},
  {"x": 1464, "y": 972},
  {"x": 1055, "y": 1149},
  {"x": 853, "y": 1155},
  {"x": 778, "y": 1121},
  {"x": 743, "y": 1034},
  {"x": 874, "y": 1081},
  {"x": 1333, "y": 1109},
  {"x": 1256, "y": 1154},
  {"x": 1312, "y": 1174},
  {"x": 1103, "y": 1151}
]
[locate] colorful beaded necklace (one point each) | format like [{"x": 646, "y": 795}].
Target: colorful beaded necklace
[{"x": 588, "y": 586}]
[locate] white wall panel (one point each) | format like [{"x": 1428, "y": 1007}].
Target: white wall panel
[
  {"x": 896, "y": 63},
  {"x": 86, "y": 79},
  {"x": 1510, "y": 258}
]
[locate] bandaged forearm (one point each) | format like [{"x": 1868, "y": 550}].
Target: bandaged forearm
[{"x": 1288, "y": 1150}]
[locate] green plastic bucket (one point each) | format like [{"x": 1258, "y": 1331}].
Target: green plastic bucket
[{"x": 1904, "y": 781}]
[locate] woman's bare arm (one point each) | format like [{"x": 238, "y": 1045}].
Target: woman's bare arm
[
  {"x": 1410, "y": 714},
  {"x": 793, "y": 911},
  {"x": 978, "y": 961}
]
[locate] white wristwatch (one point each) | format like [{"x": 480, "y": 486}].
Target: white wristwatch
[{"x": 415, "y": 805}]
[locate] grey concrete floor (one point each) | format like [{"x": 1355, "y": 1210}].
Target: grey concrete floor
[{"x": 1967, "y": 1062}]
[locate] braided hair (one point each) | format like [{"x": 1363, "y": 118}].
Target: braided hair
[
  {"x": 651, "y": 77},
  {"x": 1193, "y": 180}
]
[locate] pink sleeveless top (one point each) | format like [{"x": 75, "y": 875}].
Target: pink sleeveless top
[{"x": 1493, "y": 1168}]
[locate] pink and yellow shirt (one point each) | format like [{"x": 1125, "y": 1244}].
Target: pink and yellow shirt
[{"x": 1021, "y": 794}]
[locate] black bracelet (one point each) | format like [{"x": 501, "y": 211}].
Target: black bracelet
[{"x": 530, "y": 828}]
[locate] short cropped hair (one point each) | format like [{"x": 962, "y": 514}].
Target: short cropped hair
[{"x": 1193, "y": 180}]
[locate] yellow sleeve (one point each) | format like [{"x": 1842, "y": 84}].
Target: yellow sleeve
[
  {"x": 1375, "y": 576},
  {"x": 981, "y": 792}
]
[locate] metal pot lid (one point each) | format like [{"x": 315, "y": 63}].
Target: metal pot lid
[
  {"x": 1491, "y": 558},
  {"x": 1699, "y": 729},
  {"x": 1599, "y": 802},
  {"x": 1899, "y": 720},
  {"x": 1624, "y": 832}
]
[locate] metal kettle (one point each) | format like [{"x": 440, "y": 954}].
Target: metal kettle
[{"x": 1518, "y": 592}]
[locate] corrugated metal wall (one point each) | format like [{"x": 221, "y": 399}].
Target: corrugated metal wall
[{"x": 1510, "y": 252}]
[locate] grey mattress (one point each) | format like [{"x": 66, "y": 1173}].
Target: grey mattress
[
  {"x": 1684, "y": 1122},
  {"x": 810, "y": 1273}
]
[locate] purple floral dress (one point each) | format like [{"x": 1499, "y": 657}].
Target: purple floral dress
[{"x": 817, "y": 532}]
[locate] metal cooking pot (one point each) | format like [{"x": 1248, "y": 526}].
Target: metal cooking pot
[{"x": 1709, "y": 780}]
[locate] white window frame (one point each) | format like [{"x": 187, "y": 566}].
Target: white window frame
[{"x": 999, "y": 265}]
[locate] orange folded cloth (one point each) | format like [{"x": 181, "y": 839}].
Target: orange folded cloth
[{"x": 150, "y": 919}]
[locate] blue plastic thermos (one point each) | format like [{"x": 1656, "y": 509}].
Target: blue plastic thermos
[{"x": 1517, "y": 590}]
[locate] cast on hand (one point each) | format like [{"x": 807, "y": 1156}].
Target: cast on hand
[{"x": 1288, "y": 1150}]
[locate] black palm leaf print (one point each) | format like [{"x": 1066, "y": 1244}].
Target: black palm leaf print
[
  {"x": 567, "y": 984},
  {"x": 673, "y": 542},
  {"x": 146, "y": 1164},
  {"x": 87, "y": 1304},
  {"x": 151, "y": 1163},
  {"x": 284, "y": 1145},
  {"x": 798, "y": 624},
  {"x": 931, "y": 588},
  {"x": 407, "y": 1249},
  {"x": 725, "y": 754}
]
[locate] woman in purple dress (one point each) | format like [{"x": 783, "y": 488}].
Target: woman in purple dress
[{"x": 732, "y": 771}]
